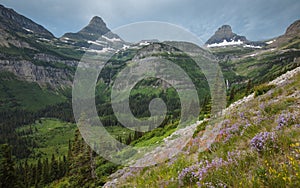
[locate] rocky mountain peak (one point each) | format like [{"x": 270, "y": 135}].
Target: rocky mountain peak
[
  {"x": 95, "y": 26},
  {"x": 225, "y": 33},
  {"x": 224, "y": 30},
  {"x": 92, "y": 32}
]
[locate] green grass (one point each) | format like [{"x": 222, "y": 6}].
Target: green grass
[
  {"x": 155, "y": 136},
  {"x": 15, "y": 93},
  {"x": 118, "y": 131},
  {"x": 51, "y": 136}
]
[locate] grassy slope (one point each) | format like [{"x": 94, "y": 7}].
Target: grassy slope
[
  {"x": 15, "y": 93},
  {"x": 251, "y": 168},
  {"x": 52, "y": 136}
]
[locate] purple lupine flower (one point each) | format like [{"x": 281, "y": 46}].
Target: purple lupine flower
[
  {"x": 242, "y": 115},
  {"x": 260, "y": 141},
  {"x": 229, "y": 131},
  {"x": 198, "y": 171},
  {"x": 282, "y": 121}
]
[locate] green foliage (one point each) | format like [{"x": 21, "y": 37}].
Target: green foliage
[
  {"x": 155, "y": 136},
  {"x": 262, "y": 89},
  {"x": 274, "y": 108},
  {"x": 200, "y": 127},
  {"x": 17, "y": 94},
  {"x": 7, "y": 171},
  {"x": 51, "y": 136},
  {"x": 276, "y": 166}
]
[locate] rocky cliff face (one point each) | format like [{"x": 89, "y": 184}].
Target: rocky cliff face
[
  {"x": 44, "y": 76},
  {"x": 225, "y": 33}
]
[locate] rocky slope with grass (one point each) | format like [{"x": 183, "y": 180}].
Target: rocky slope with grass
[{"x": 252, "y": 133}]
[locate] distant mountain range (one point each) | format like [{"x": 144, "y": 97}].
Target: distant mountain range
[{"x": 34, "y": 54}]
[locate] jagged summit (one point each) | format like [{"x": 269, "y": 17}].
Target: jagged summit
[
  {"x": 225, "y": 34},
  {"x": 95, "y": 26},
  {"x": 93, "y": 31}
]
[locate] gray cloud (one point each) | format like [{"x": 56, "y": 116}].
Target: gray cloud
[{"x": 255, "y": 19}]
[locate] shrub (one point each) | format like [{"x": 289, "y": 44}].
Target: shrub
[
  {"x": 200, "y": 127},
  {"x": 262, "y": 89}
]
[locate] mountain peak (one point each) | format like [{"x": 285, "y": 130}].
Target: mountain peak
[
  {"x": 93, "y": 31},
  {"x": 224, "y": 33},
  {"x": 96, "y": 26},
  {"x": 97, "y": 20},
  {"x": 224, "y": 29}
]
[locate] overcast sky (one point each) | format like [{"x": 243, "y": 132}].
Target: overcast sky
[{"x": 255, "y": 19}]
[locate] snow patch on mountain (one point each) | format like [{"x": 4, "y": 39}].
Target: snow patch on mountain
[
  {"x": 225, "y": 43},
  {"x": 28, "y": 30},
  {"x": 112, "y": 39},
  {"x": 252, "y": 46},
  {"x": 270, "y": 42}
]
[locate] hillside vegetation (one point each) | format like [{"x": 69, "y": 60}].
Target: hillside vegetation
[{"x": 252, "y": 135}]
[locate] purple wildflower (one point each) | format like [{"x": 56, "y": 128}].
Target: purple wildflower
[
  {"x": 242, "y": 115},
  {"x": 261, "y": 141},
  {"x": 197, "y": 172},
  {"x": 281, "y": 122}
]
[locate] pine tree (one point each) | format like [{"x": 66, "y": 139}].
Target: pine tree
[
  {"x": 7, "y": 170},
  {"x": 248, "y": 88},
  {"x": 45, "y": 172},
  {"x": 129, "y": 139},
  {"x": 81, "y": 169},
  {"x": 232, "y": 94},
  {"x": 54, "y": 169}
]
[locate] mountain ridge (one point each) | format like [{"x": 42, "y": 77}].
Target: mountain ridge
[{"x": 11, "y": 20}]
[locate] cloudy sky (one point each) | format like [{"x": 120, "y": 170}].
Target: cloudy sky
[{"x": 256, "y": 19}]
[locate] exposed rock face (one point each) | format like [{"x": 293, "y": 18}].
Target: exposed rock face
[
  {"x": 12, "y": 21},
  {"x": 26, "y": 70},
  {"x": 225, "y": 33},
  {"x": 53, "y": 59}
]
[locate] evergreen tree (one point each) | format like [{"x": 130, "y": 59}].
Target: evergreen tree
[
  {"x": 54, "y": 169},
  {"x": 39, "y": 172},
  {"x": 45, "y": 172},
  {"x": 7, "y": 170},
  {"x": 232, "y": 94}
]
